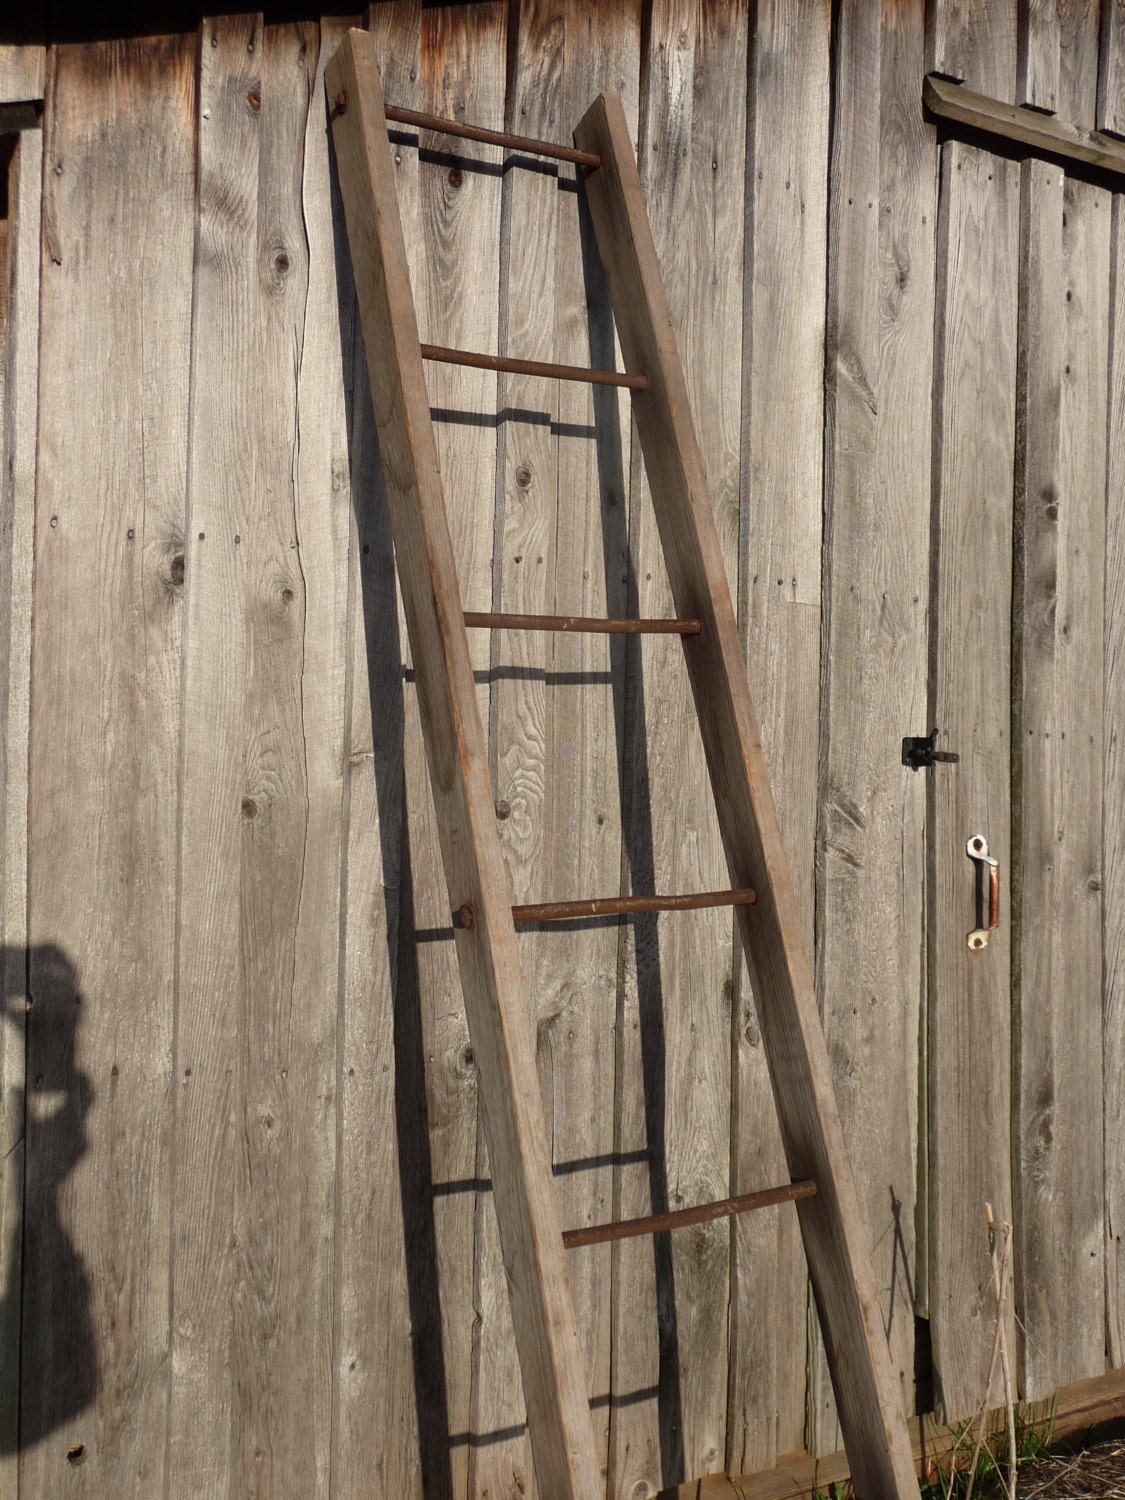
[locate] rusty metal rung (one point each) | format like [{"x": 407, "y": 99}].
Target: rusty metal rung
[
  {"x": 726, "y": 1208},
  {"x": 581, "y": 625},
  {"x": 609, "y": 906},
  {"x": 493, "y": 137},
  {"x": 532, "y": 367}
]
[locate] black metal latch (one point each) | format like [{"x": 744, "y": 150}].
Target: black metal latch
[{"x": 920, "y": 751}]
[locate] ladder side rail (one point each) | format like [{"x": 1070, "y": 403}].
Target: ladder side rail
[
  {"x": 835, "y": 1238},
  {"x": 497, "y": 1010}
]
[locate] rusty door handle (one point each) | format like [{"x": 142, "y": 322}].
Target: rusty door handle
[{"x": 977, "y": 850}]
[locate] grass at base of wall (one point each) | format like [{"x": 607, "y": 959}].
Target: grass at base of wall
[{"x": 954, "y": 1477}]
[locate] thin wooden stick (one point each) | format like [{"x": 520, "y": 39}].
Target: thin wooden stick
[
  {"x": 1000, "y": 1277},
  {"x": 1005, "y": 1369}
]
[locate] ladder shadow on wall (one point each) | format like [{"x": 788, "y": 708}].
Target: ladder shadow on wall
[
  {"x": 56, "y": 1373},
  {"x": 631, "y": 730},
  {"x": 384, "y": 658},
  {"x": 387, "y": 677}
]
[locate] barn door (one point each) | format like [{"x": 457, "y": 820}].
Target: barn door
[{"x": 1014, "y": 1039}]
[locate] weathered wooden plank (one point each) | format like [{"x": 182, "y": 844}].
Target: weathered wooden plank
[
  {"x": 449, "y": 196},
  {"x": 838, "y": 1259},
  {"x": 552, "y": 718},
  {"x": 23, "y": 73},
  {"x": 1057, "y": 59},
  {"x": 1037, "y": 55},
  {"x": 17, "y": 521},
  {"x": 1045, "y": 135},
  {"x": 562, "y": 530},
  {"x": 692, "y": 151},
  {"x": 969, "y": 993},
  {"x": 779, "y": 612},
  {"x": 1057, "y": 65},
  {"x": 285, "y": 1055},
  {"x": 1078, "y": 62},
  {"x": 850, "y": 923},
  {"x": 104, "y": 738},
  {"x": 12, "y": 1023},
  {"x": 646, "y": 1421},
  {"x": 381, "y": 1333},
  {"x": 1057, "y": 813},
  {"x": 453, "y": 251},
  {"x": 1113, "y": 801},
  {"x": 216, "y": 657},
  {"x": 586, "y": 701},
  {"x": 13, "y": 971},
  {"x": 909, "y": 169},
  {"x": 878, "y": 391},
  {"x": 503, "y": 1046},
  {"x": 1111, "y": 69},
  {"x": 442, "y": 1168},
  {"x": 974, "y": 41},
  {"x": 438, "y": 1164}
]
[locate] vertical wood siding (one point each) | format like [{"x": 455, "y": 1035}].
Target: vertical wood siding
[
  {"x": 105, "y": 745},
  {"x": 878, "y": 376},
  {"x": 1113, "y": 787},
  {"x": 17, "y": 517},
  {"x": 779, "y": 605},
  {"x": 247, "y": 1191},
  {"x": 1057, "y": 818},
  {"x": 970, "y": 1001}
]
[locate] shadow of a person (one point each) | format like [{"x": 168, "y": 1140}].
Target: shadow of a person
[{"x": 58, "y": 1352}]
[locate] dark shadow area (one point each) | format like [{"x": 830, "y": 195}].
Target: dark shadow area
[
  {"x": 388, "y": 727},
  {"x": 900, "y": 1266},
  {"x": 451, "y": 416},
  {"x": 1018, "y": 151},
  {"x": 549, "y": 679},
  {"x": 560, "y": 1169},
  {"x": 488, "y": 675},
  {"x": 923, "y": 1367},
  {"x": 605, "y": 1402},
  {"x": 50, "y": 1313},
  {"x": 452, "y": 161},
  {"x": 630, "y": 725}
]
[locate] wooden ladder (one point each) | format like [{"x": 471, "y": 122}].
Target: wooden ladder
[{"x": 867, "y": 1394}]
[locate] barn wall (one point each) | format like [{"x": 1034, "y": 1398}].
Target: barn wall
[{"x": 248, "y": 1234}]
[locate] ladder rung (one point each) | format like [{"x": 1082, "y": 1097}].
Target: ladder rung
[
  {"x": 581, "y": 625},
  {"x": 608, "y": 906},
  {"x": 726, "y": 1208},
  {"x": 493, "y": 137},
  {"x": 532, "y": 367}
]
